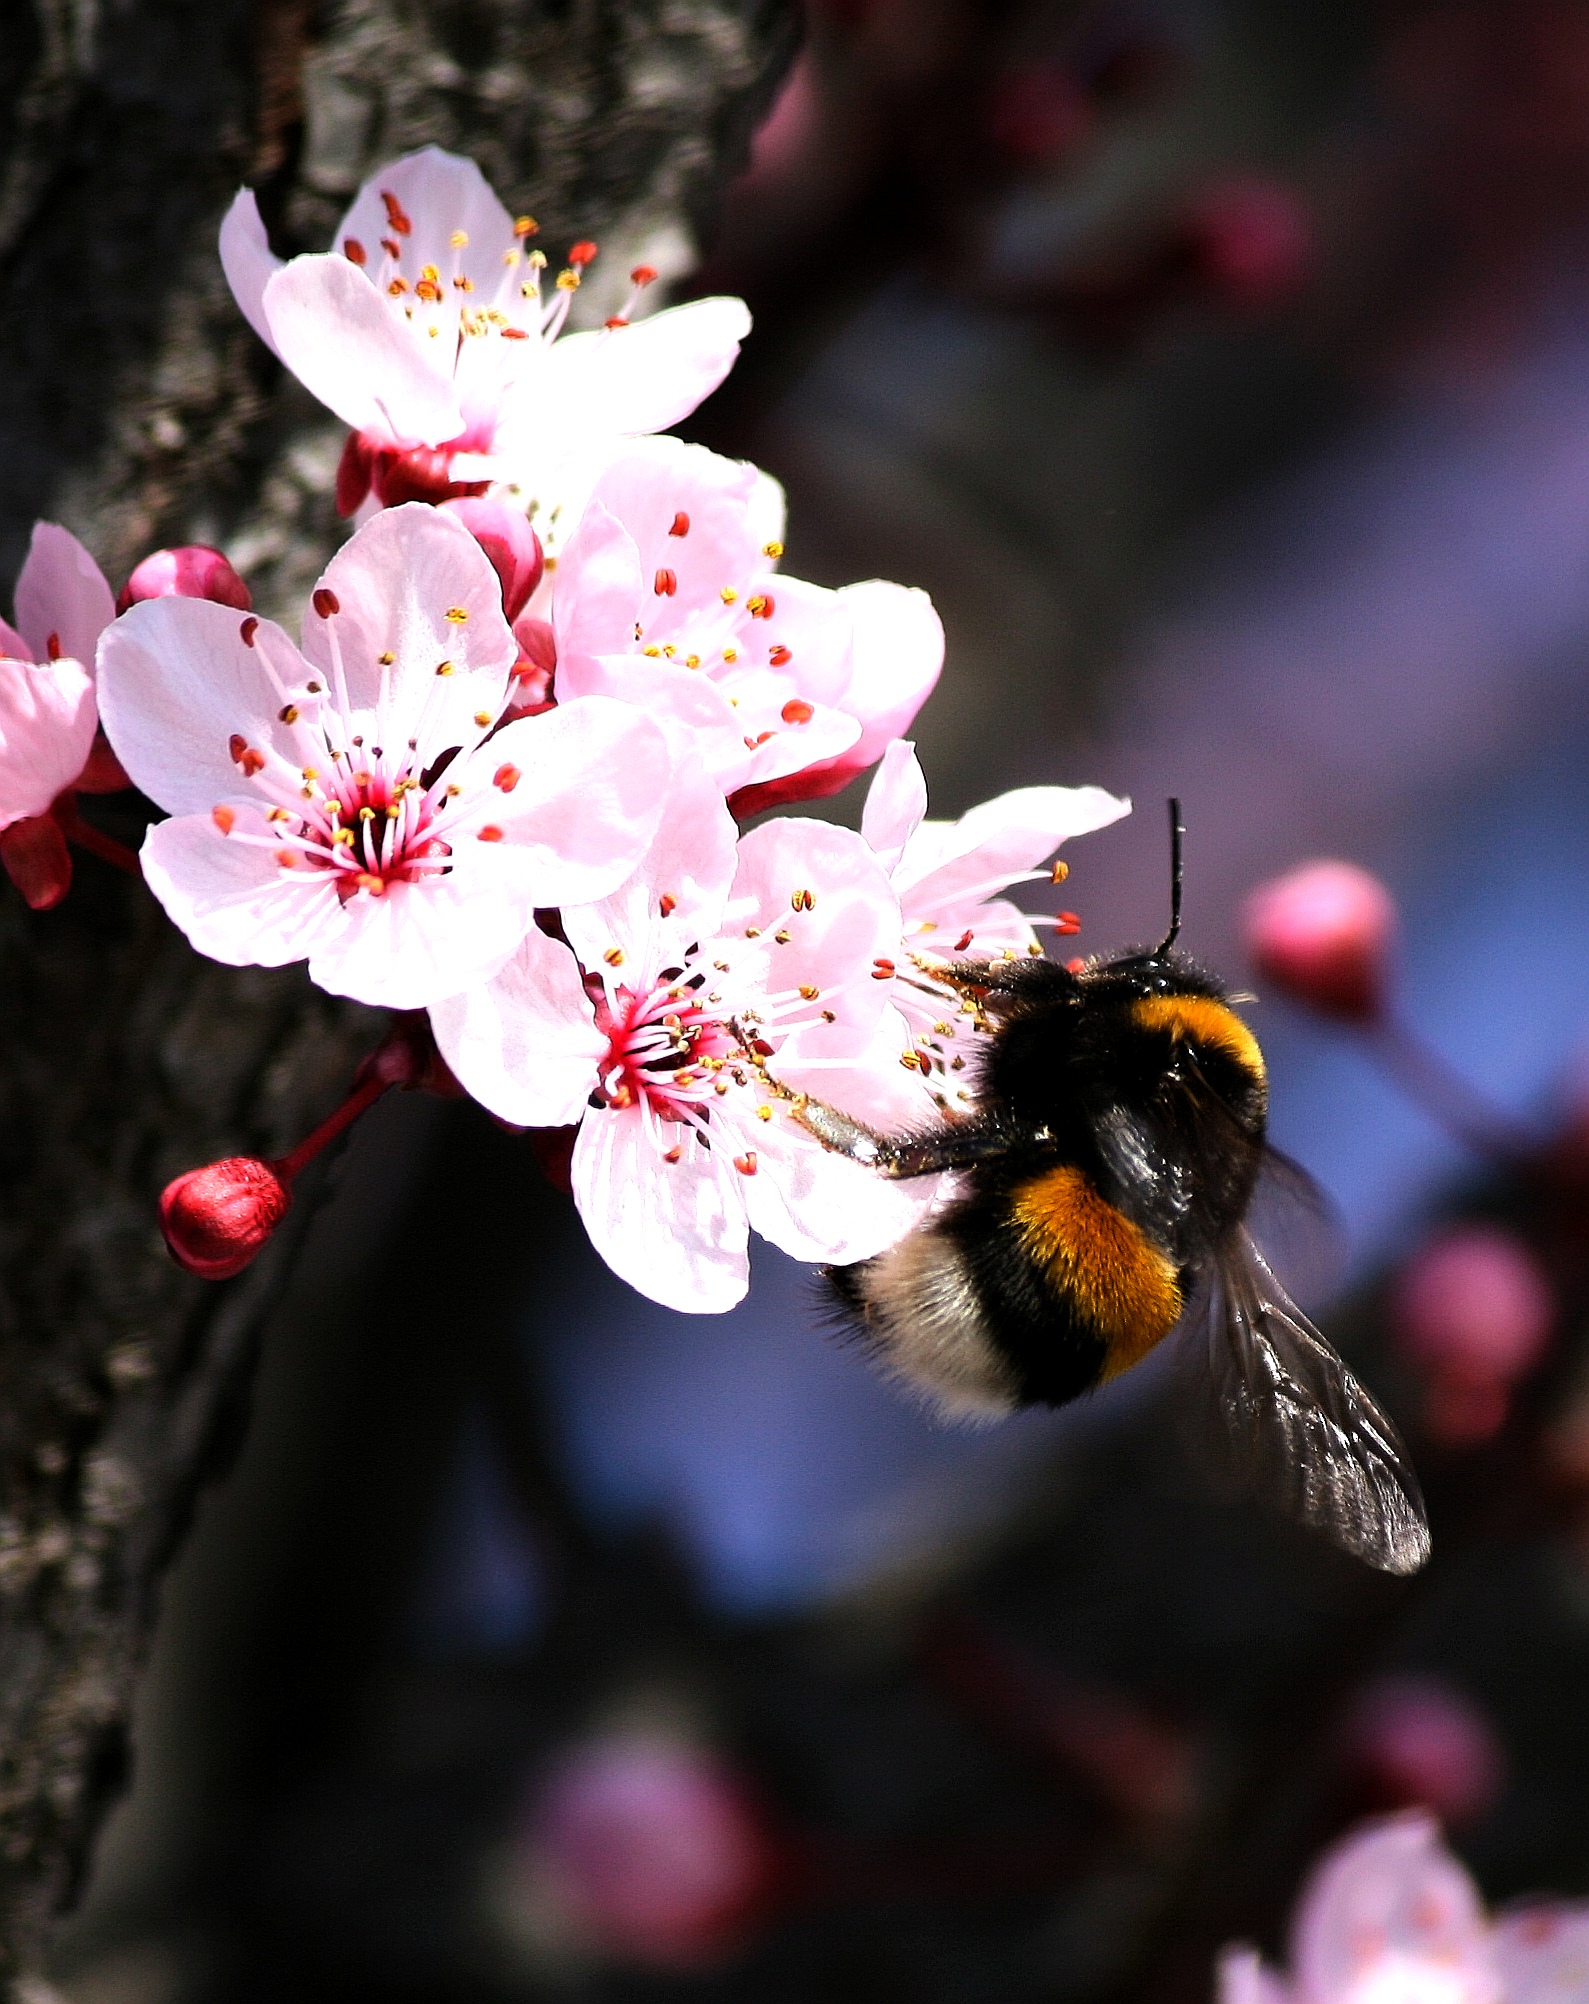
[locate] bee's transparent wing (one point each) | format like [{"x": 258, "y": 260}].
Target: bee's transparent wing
[{"x": 1297, "y": 1427}]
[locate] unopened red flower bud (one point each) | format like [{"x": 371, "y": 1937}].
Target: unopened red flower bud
[
  {"x": 1474, "y": 1304},
  {"x": 1415, "y": 1741},
  {"x": 505, "y": 535},
  {"x": 218, "y": 1219},
  {"x": 1322, "y": 934},
  {"x": 193, "y": 570}
]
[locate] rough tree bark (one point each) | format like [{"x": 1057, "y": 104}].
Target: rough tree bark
[{"x": 140, "y": 410}]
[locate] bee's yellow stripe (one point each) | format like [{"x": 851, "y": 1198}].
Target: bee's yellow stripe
[
  {"x": 1210, "y": 1022},
  {"x": 1103, "y": 1266}
]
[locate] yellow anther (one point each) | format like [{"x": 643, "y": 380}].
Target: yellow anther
[
  {"x": 568, "y": 281},
  {"x": 386, "y": 659},
  {"x": 429, "y": 271},
  {"x": 457, "y": 614},
  {"x": 459, "y": 239},
  {"x": 444, "y": 668},
  {"x": 482, "y": 718},
  {"x": 731, "y": 655},
  {"x": 614, "y": 956},
  {"x": 772, "y": 549},
  {"x": 366, "y": 813},
  {"x": 728, "y": 594},
  {"x": 652, "y": 653},
  {"x": 764, "y": 1113}
]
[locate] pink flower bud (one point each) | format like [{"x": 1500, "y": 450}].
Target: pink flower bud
[
  {"x": 1253, "y": 240},
  {"x": 1475, "y": 1305},
  {"x": 193, "y": 570},
  {"x": 1321, "y": 934},
  {"x": 1417, "y": 1742},
  {"x": 646, "y": 1850},
  {"x": 218, "y": 1219},
  {"x": 37, "y": 860},
  {"x": 505, "y": 535}
]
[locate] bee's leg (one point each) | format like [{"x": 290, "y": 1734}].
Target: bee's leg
[{"x": 928, "y": 1154}]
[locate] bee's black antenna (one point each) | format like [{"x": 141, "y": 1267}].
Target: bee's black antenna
[{"x": 1177, "y": 830}]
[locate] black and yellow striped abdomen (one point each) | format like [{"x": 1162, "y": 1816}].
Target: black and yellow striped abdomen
[{"x": 1103, "y": 1270}]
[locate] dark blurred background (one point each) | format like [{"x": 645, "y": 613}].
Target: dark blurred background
[{"x": 1221, "y": 367}]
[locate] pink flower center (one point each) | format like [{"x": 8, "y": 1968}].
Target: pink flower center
[
  {"x": 371, "y": 813},
  {"x": 664, "y": 1050}
]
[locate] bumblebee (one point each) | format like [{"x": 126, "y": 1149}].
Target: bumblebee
[{"x": 1108, "y": 1163}]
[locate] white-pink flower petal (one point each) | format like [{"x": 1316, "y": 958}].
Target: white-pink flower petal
[
  {"x": 525, "y": 1043},
  {"x": 63, "y": 603},
  {"x": 248, "y": 261},
  {"x": 47, "y": 720},
  {"x": 336, "y": 334},
  {"x": 679, "y": 1238}
]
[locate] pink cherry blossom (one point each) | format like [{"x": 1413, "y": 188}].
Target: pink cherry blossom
[
  {"x": 948, "y": 876},
  {"x": 1390, "y": 1917},
  {"x": 354, "y": 803},
  {"x": 668, "y": 597},
  {"x": 676, "y": 1027},
  {"x": 47, "y": 712},
  {"x": 427, "y": 328}
]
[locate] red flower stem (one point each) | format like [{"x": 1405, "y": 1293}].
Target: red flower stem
[
  {"x": 86, "y": 836},
  {"x": 359, "y": 1101},
  {"x": 1440, "y": 1089}
]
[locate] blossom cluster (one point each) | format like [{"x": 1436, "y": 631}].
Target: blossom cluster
[{"x": 500, "y": 773}]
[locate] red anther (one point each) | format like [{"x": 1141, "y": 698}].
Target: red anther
[
  {"x": 643, "y": 274},
  {"x": 354, "y": 251},
  {"x": 513, "y": 334},
  {"x": 667, "y": 904},
  {"x": 882, "y": 970},
  {"x": 680, "y": 525},
  {"x": 665, "y": 584},
  {"x": 326, "y": 603},
  {"x": 505, "y": 778},
  {"x": 796, "y": 710},
  {"x": 490, "y": 833},
  {"x": 761, "y": 1047},
  {"x": 1321, "y": 934},
  {"x": 391, "y": 249},
  {"x": 353, "y": 471},
  {"x": 746, "y": 1163},
  {"x": 236, "y": 745},
  {"x": 395, "y": 214},
  {"x": 1067, "y": 926},
  {"x": 964, "y": 941},
  {"x": 193, "y": 570},
  {"x": 780, "y": 657},
  {"x": 761, "y": 606},
  {"x": 245, "y": 633},
  {"x": 614, "y": 320},
  {"x": 52, "y": 645},
  {"x": 103, "y": 771},
  {"x": 224, "y": 817},
  {"x": 37, "y": 860},
  {"x": 581, "y": 254},
  {"x": 504, "y": 533},
  {"x": 219, "y": 1219},
  {"x": 1076, "y": 966}
]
